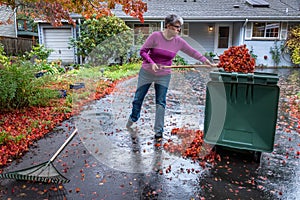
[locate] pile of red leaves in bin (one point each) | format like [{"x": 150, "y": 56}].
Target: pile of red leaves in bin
[
  {"x": 192, "y": 146},
  {"x": 237, "y": 59}
]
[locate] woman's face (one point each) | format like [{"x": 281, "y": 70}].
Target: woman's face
[{"x": 174, "y": 28}]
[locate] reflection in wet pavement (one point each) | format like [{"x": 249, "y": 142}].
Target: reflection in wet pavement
[{"x": 107, "y": 161}]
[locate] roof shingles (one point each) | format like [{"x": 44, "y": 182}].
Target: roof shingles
[{"x": 212, "y": 9}]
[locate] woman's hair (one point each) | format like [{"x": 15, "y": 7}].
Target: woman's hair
[{"x": 172, "y": 19}]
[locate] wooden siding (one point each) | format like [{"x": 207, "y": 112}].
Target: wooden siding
[{"x": 7, "y": 30}]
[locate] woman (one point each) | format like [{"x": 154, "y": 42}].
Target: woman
[{"x": 158, "y": 51}]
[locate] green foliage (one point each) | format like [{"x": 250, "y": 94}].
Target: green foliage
[
  {"x": 178, "y": 60},
  {"x": 30, "y": 23},
  {"x": 103, "y": 39},
  {"x": 296, "y": 55},
  {"x": 19, "y": 88},
  {"x": 5, "y": 137},
  {"x": 119, "y": 71},
  {"x": 253, "y": 55},
  {"x": 210, "y": 55},
  {"x": 3, "y": 57},
  {"x": 293, "y": 44},
  {"x": 39, "y": 52},
  {"x": 39, "y": 55},
  {"x": 48, "y": 68},
  {"x": 276, "y": 53}
]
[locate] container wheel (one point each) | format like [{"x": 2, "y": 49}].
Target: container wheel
[
  {"x": 256, "y": 156},
  {"x": 216, "y": 149}
]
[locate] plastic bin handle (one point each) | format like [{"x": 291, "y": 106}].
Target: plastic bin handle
[
  {"x": 234, "y": 77},
  {"x": 250, "y": 77}
]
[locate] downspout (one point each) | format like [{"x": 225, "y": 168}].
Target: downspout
[
  {"x": 79, "y": 22},
  {"x": 244, "y": 31},
  {"x": 16, "y": 22}
]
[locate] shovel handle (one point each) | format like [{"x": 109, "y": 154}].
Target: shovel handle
[{"x": 186, "y": 66}]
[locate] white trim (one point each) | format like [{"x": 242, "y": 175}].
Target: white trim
[
  {"x": 217, "y": 50},
  {"x": 185, "y": 28},
  {"x": 282, "y": 32},
  {"x": 16, "y": 23}
]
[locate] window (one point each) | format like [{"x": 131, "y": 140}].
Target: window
[
  {"x": 223, "y": 38},
  {"x": 185, "y": 29},
  {"x": 24, "y": 25},
  {"x": 142, "y": 31},
  {"x": 21, "y": 25},
  {"x": 265, "y": 30}
]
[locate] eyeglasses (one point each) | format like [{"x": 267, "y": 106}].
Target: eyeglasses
[{"x": 178, "y": 27}]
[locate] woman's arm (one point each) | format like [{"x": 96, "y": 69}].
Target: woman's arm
[
  {"x": 187, "y": 49},
  {"x": 147, "y": 46}
]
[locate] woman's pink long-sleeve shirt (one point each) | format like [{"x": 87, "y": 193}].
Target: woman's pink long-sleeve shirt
[{"x": 157, "y": 49}]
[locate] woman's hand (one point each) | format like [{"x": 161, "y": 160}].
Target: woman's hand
[
  {"x": 154, "y": 67},
  {"x": 211, "y": 64},
  {"x": 214, "y": 65}
]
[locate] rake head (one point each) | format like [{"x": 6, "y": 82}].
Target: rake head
[{"x": 44, "y": 172}]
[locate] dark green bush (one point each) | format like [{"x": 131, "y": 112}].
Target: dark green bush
[
  {"x": 103, "y": 40},
  {"x": 19, "y": 87}
]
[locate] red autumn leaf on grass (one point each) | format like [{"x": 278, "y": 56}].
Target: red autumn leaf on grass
[{"x": 23, "y": 127}]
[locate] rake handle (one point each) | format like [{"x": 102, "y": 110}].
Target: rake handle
[
  {"x": 186, "y": 66},
  {"x": 63, "y": 146}
]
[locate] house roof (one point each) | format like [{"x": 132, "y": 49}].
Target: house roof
[
  {"x": 5, "y": 13},
  {"x": 220, "y": 10}
]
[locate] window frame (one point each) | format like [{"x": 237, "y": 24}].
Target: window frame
[
  {"x": 185, "y": 30},
  {"x": 150, "y": 26},
  {"x": 265, "y": 31},
  {"x": 282, "y": 31}
]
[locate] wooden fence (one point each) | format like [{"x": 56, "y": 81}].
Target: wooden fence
[{"x": 16, "y": 46}]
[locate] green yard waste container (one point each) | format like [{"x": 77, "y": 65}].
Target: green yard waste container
[{"x": 241, "y": 110}]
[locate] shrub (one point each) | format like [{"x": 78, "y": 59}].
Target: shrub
[
  {"x": 3, "y": 57},
  {"x": 103, "y": 39},
  {"x": 39, "y": 51},
  {"x": 293, "y": 44},
  {"x": 178, "y": 60},
  {"x": 19, "y": 87},
  {"x": 276, "y": 53}
]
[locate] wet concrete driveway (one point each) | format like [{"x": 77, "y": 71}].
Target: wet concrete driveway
[{"x": 107, "y": 161}]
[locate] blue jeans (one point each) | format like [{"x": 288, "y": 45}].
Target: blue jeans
[{"x": 161, "y": 84}]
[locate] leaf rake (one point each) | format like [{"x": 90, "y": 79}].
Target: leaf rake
[
  {"x": 44, "y": 172},
  {"x": 186, "y": 66}
]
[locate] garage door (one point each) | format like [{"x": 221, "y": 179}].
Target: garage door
[{"x": 58, "y": 40}]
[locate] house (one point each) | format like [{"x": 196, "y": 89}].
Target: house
[
  {"x": 26, "y": 29},
  {"x": 15, "y": 36},
  {"x": 211, "y": 26},
  {"x": 7, "y": 29},
  {"x": 57, "y": 39},
  {"x": 214, "y": 25}
]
